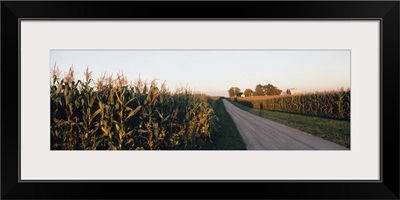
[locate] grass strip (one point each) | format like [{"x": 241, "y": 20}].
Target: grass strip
[
  {"x": 337, "y": 131},
  {"x": 226, "y": 137}
]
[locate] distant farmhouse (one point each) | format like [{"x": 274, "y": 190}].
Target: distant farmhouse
[{"x": 292, "y": 91}]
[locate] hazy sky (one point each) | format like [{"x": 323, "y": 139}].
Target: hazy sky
[{"x": 214, "y": 72}]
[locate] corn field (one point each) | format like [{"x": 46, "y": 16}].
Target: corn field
[
  {"x": 110, "y": 114},
  {"x": 331, "y": 104}
]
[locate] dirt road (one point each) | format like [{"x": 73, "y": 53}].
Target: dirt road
[{"x": 262, "y": 134}]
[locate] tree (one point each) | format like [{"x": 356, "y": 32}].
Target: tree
[
  {"x": 234, "y": 91},
  {"x": 248, "y": 92},
  {"x": 259, "y": 90},
  {"x": 271, "y": 90},
  {"x": 262, "y": 90}
]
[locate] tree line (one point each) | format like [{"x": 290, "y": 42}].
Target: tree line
[{"x": 260, "y": 90}]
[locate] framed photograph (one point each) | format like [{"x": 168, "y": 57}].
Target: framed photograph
[{"x": 179, "y": 96}]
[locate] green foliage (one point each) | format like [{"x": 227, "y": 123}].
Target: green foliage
[
  {"x": 259, "y": 90},
  {"x": 248, "y": 92},
  {"x": 234, "y": 92},
  {"x": 262, "y": 90},
  {"x": 334, "y": 104},
  {"x": 117, "y": 116},
  {"x": 227, "y": 136},
  {"x": 271, "y": 90}
]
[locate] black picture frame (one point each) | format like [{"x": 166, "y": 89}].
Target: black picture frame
[{"x": 386, "y": 11}]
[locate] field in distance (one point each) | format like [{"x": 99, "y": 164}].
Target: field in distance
[{"x": 259, "y": 97}]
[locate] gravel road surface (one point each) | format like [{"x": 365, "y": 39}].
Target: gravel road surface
[{"x": 262, "y": 134}]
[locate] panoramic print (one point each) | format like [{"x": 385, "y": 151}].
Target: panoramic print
[{"x": 200, "y": 99}]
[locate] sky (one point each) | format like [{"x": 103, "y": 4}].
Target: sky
[{"x": 214, "y": 72}]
